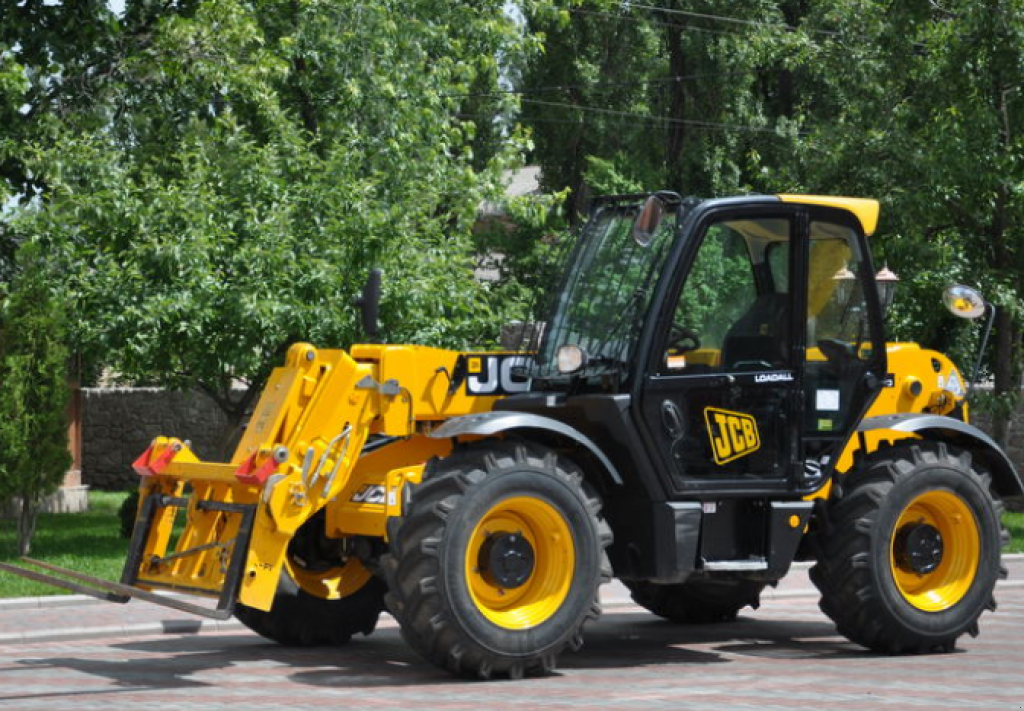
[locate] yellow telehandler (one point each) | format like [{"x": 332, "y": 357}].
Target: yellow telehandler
[{"x": 712, "y": 398}]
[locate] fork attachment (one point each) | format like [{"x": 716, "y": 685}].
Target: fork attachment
[{"x": 127, "y": 589}]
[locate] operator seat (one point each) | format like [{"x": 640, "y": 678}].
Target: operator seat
[{"x": 760, "y": 337}]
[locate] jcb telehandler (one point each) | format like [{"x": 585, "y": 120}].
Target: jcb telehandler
[{"x": 712, "y": 398}]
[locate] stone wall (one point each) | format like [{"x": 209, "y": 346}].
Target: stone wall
[{"x": 118, "y": 424}]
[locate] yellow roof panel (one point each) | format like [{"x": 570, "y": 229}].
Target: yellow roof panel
[{"x": 864, "y": 209}]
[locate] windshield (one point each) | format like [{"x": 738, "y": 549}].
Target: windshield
[{"x": 609, "y": 282}]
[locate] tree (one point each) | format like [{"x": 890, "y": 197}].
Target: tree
[
  {"x": 255, "y": 161},
  {"x": 34, "y": 394},
  {"x": 672, "y": 93}
]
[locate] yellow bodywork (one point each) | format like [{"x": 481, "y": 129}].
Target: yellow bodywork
[
  {"x": 919, "y": 380},
  {"x": 301, "y": 451}
]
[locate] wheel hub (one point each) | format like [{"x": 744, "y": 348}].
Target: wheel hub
[
  {"x": 918, "y": 548},
  {"x": 507, "y": 560}
]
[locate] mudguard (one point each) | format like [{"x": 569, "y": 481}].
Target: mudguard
[
  {"x": 491, "y": 423},
  {"x": 1005, "y": 479}
]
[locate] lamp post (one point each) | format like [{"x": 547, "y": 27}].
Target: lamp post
[{"x": 965, "y": 302}]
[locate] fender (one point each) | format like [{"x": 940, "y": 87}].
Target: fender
[
  {"x": 491, "y": 423},
  {"x": 1005, "y": 479}
]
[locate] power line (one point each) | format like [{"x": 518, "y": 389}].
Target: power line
[
  {"x": 678, "y": 79},
  {"x": 684, "y": 28},
  {"x": 714, "y": 18},
  {"x": 659, "y": 119}
]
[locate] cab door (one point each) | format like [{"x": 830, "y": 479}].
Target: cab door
[
  {"x": 770, "y": 350},
  {"x": 719, "y": 402}
]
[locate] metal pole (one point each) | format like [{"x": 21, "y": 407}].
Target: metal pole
[{"x": 981, "y": 349}]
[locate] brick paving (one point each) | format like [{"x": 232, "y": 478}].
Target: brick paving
[{"x": 786, "y": 655}]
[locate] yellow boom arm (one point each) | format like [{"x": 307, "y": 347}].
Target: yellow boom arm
[{"x": 300, "y": 451}]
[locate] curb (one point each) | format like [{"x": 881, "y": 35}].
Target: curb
[{"x": 69, "y": 634}]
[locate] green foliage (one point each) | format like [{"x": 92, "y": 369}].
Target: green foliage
[
  {"x": 523, "y": 251},
  {"x": 1014, "y": 522},
  {"x": 127, "y": 513},
  {"x": 34, "y": 393},
  {"x": 255, "y": 161},
  {"x": 672, "y": 100}
]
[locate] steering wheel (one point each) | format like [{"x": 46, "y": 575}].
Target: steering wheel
[
  {"x": 838, "y": 353},
  {"x": 683, "y": 339},
  {"x": 751, "y": 365}
]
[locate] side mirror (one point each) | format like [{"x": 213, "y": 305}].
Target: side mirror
[
  {"x": 369, "y": 305},
  {"x": 648, "y": 221},
  {"x": 963, "y": 301}
]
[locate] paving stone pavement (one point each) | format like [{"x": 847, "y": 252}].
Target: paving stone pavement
[{"x": 786, "y": 655}]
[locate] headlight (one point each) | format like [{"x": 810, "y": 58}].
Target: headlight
[{"x": 570, "y": 358}]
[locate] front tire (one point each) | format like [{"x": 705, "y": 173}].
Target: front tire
[
  {"x": 495, "y": 567},
  {"x": 322, "y": 598},
  {"x": 911, "y": 553}
]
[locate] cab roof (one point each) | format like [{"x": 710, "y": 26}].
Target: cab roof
[{"x": 865, "y": 210}]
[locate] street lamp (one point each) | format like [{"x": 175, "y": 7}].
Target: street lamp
[
  {"x": 886, "y": 281},
  {"x": 965, "y": 302},
  {"x": 844, "y": 279}
]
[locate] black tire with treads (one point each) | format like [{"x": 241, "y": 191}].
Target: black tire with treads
[
  {"x": 433, "y": 564},
  {"x": 870, "y": 587}
]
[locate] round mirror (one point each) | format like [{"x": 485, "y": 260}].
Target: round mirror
[
  {"x": 963, "y": 301},
  {"x": 648, "y": 221}
]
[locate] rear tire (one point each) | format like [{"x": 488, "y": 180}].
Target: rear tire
[
  {"x": 697, "y": 601},
  {"x": 495, "y": 567},
  {"x": 911, "y": 553}
]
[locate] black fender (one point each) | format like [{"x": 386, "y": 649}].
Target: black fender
[
  {"x": 492, "y": 423},
  {"x": 1005, "y": 479}
]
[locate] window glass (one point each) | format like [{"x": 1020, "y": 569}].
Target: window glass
[
  {"x": 732, "y": 309},
  {"x": 838, "y": 334},
  {"x": 836, "y": 308}
]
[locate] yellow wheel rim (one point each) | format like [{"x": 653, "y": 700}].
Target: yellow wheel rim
[
  {"x": 554, "y": 560},
  {"x": 330, "y": 584},
  {"x": 933, "y": 590}
]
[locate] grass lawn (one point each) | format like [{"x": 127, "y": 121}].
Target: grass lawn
[
  {"x": 1015, "y": 523},
  {"x": 90, "y": 542}
]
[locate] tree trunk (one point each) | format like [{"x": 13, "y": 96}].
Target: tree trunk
[
  {"x": 27, "y": 515},
  {"x": 675, "y": 136},
  {"x": 1004, "y": 371}
]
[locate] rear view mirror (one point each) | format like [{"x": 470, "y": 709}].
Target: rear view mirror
[
  {"x": 648, "y": 221},
  {"x": 963, "y": 301}
]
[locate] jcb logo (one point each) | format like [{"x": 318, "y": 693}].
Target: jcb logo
[
  {"x": 369, "y": 494},
  {"x": 733, "y": 434},
  {"x": 497, "y": 374}
]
